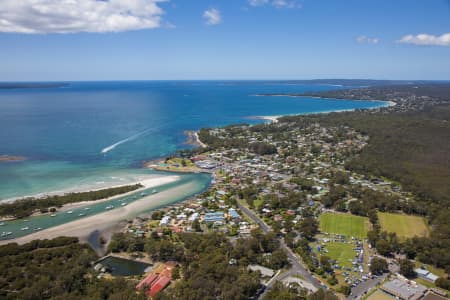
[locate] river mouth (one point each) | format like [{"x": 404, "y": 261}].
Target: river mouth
[{"x": 104, "y": 216}]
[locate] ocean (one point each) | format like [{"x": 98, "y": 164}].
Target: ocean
[{"x": 94, "y": 134}]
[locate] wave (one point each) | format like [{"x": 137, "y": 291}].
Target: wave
[{"x": 135, "y": 136}]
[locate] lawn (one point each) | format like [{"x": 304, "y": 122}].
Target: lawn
[
  {"x": 258, "y": 203},
  {"x": 341, "y": 252},
  {"x": 405, "y": 226},
  {"x": 345, "y": 224},
  {"x": 379, "y": 295}
]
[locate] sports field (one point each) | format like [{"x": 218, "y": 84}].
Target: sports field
[
  {"x": 342, "y": 253},
  {"x": 379, "y": 295},
  {"x": 345, "y": 224},
  {"x": 404, "y": 226}
]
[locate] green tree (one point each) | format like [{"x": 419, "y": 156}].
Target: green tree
[
  {"x": 196, "y": 226},
  {"x": 325, "y": 263},
  {"x": 383, "y": 247},
  {"x": 308, "y": 227},
  {"x": 378, "y": 266},
  {"x": 407, "y": 268}
]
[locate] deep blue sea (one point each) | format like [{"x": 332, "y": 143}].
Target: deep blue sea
[{"x": 94, "y": 133}]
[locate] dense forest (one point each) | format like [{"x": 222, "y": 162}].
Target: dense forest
[
  {"x": 25, "y": 207},
  {"x": 204, "y": 260},
  {"x": 211, "y": 267},
  {"x": 56, "y": 269}
]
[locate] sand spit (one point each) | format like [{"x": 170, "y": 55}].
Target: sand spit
[{"x": 106, "y": 222}]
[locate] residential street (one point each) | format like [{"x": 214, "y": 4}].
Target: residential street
[{"x": 297, "y": 267}]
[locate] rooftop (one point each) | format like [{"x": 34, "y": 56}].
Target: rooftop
[{"x": 404, "y": 290}]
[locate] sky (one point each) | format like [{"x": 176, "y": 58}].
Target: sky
[{"x": 63, "y": 40}]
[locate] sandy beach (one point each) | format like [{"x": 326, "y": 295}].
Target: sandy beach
[
  {"x": 107, "y": 222},
  {"x": 11, "y": 158},
  {"x": 271, "y": 119},
  {"x": 274, "y": 119},
  {"x": 193, "y": 139},
  {"x": 199, "y": 141},
  {"x": 148, "y": 183},
  {"x": 96, "y": 186}
]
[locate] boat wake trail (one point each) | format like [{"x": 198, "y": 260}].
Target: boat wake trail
[{"x": 133, "y": 137}]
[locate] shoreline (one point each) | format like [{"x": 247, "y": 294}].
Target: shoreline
[
  {"x": 149, "y": 183},
  {"x": 108, "y": 222},
  {"x": 80, "y": 190},
  {"x": 274, "y": 119},
  {"x": 193, "y": 139},
  {"x": 11, "y": 158},
  {"x": 146, "y": 184},
  {"x": 390, "y": 103}
]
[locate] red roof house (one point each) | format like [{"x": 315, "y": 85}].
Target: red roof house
[
  {"x": 147, "y": 281},
  {"x": 158, "y": 286}
]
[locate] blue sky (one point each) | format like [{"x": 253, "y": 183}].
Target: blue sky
[{"x": 228, "y": 39}]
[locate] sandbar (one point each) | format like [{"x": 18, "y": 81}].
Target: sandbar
[{"x": 109, "y": 221}]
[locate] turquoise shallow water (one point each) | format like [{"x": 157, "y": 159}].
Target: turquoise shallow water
[
  {"x": 89, "y": 134},
  {"x": 197, "y": 183}
]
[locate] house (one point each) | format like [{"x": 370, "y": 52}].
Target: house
[
  {"x": 181, "y": 216},
  {"x": 404, "y": 290},
  {"x": 147, "y": 281},
  {"x": 194, "y": 217},
  {"x": 221, "y": 193},
  {"x": 425, "y": 274},
  {"x": 214, "y": 217},
  {"x": 156, "y": 282},
  {"x": 164, "y": 221},
  {"x": 158, "y": 285},
  {"x": 233, "y": 213}
]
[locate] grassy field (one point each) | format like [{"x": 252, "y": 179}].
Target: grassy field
[
  {"x": 175, "y": 165},
  {"x": 258, "y": 203},
  {"x": 404, "y": 226},
  {"x": 379, "y": 295},
  {"x": 345, "y": 224},
  {"x": 342, "y": 253}
]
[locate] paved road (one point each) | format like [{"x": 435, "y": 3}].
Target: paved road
[
  {"x": 255, "y": 218},
  {"x": 297, "y": 266}
]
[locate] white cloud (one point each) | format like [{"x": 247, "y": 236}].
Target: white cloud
[
  {"x": 258, "y": 2},
  {"x": 362, "y": 39},
  {"x": 70, "y": 16},
  {"x": 275, "y": 3},
  {"x": 426, "y": 39},
  {"x": 212, "y": 16}
]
